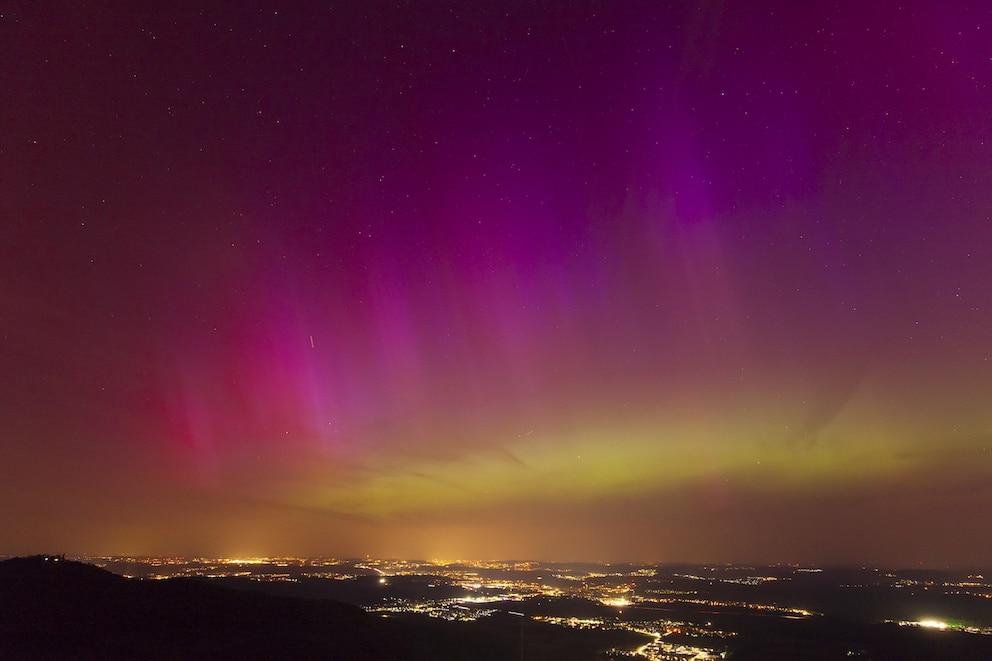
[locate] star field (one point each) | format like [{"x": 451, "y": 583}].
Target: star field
[{"x": 647, "y": 281}]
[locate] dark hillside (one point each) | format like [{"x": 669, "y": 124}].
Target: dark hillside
[
  {"x": 51, "y": 608},
  {"x": 56, "y": 609}
]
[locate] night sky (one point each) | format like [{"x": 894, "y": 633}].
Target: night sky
[{"x": 689, "y": 281}]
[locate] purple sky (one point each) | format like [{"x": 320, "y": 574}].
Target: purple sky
[{"x": 613, "y": 281}]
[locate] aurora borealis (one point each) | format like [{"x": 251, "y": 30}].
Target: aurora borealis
[{"x": 689, "y": 281}]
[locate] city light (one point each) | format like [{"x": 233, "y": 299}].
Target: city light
[{"x": 661, "y": 604}]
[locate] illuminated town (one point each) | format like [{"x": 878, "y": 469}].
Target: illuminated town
[{"x": 680, "y": 612}]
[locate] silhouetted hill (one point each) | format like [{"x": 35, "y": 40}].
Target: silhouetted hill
[
  {"x": 832, "y": 639},
  {"x": 57, "y": 609},
  {"x": 51, "y": 608}
]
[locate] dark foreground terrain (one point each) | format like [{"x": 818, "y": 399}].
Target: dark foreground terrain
[{"x": 51, "y": 608}]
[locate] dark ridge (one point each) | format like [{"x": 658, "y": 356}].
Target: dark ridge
[
  {"x": 831, "y": 639},
  {"x": 51, "y": 608}
]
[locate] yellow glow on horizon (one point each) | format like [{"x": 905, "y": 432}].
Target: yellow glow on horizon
[
  {"x": 649, "y": 455},
  {"x": 245, "y": 561},
  {"x": 755, "y": 447}
]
